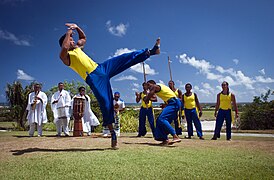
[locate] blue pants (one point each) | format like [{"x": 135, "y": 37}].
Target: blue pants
[
  {"x": 146, "y": 112},
  {"x": 221, "y": 116},
  {"x": 169, "y": 113},
  {"x": 192, "y": 116},
  {"x": 99, "y": 80}
]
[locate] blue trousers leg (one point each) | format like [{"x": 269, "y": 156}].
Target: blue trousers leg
[
  {"x": 189, "y": 122},
  {"x": 163, "y": 127},
  {"x": 142, "y": 122},
  {"x": 99, "y": 80},
  {"x": 197, "y": 122},
  {"x": 219, "y": 122},
  {"x": 228, "y": 120},
  {"x": 150, "y": 118}
]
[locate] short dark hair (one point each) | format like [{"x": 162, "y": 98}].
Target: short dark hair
[
  {"x": 60, "y": 83},
  {"x": 80, "y": 88},
  {"x": 188, "y": 84},
  {"x": 61, "y": 40},
  {"x": 151, "y": 82}
]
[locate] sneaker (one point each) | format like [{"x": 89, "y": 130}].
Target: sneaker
[{"x": 105, "y": 135}]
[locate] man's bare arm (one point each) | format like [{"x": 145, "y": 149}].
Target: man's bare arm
[
  {"x": 82, "y": 37},
  {"x": 65, "y": 47}
]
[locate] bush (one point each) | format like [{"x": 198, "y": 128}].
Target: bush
[{"x": 258, "y": 115}]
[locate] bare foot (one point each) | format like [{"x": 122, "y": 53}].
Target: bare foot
[{"x": 156, "y": 49}]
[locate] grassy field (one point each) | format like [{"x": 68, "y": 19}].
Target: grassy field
[{"x": 50, "y": 157}]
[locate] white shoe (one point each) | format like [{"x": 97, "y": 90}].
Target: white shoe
[{"x": 105, "y": 135}]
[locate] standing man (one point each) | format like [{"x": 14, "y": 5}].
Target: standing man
[
  {"x": 146, "y": 110},
  {"x": 178, "y": 93},
  {"x": 37, "y": 115},
  {"x": 89, "y": 119},
  {"x": 169, "y": 113},
  {"x": 97, "y": 76},
  {"x": 119, "y": 106},
  {"x": 192, "y": 105},
  {"x": 60, "y": 105}
]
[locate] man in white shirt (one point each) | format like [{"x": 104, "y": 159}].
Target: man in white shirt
[
  {"x": 60, "y": 105},
  {"x": 37, "y": 115}
]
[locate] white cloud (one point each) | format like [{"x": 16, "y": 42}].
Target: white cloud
[
  {"x": 138, "y": 67},
  {"x": 262, "y": 71},
  {"x": 122, "y": 78},
  {"x": 236, "y": 61},
  {"x": 136, "y": 85},
  {"x": 264, "y": 80},
  {"x": 23, "y": 76},
  {"x": 119, "y": 30},
  {"x": 161, "y": 82},
  {"x": 11, "y": 37}
]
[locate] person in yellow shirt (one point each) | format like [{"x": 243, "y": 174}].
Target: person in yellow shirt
[
  {"x": 178, "y": 93},
  {"x": 224, "y": 109},
  {"x": 169, "y": 113},
  {"x": 97, "y": 76},
  {"x": 191, "y": 104},
  {"x": 146, "y": 110}
]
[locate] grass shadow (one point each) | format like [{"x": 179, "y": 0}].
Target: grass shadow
[{"x": 32, "y": 150}]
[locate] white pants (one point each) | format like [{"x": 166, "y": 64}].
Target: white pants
[
  {"x": 62, "y": 123},
  {"x": 32, "y": 129}
]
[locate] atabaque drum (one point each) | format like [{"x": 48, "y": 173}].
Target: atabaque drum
[{"x": 78, "y": 112}]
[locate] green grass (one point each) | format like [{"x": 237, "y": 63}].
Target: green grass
[{"x": 28, "y": 158}]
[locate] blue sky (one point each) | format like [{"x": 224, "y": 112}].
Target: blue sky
[{"x": 207, "y": 42}]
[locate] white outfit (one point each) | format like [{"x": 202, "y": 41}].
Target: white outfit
[
  {"x": 38, "y": 115},
  {"x": 61, "y": 111},
  {"x": 89, "y": 119},
  {"x": 121, "y": 106}
]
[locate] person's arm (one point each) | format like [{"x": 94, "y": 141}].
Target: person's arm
[
  {"x": 153, "y": 98},
  {"x": 217, "y": 105},
  {"x": 152, "y": 90},
  {"x": 82, "y": 37},
  {"x": 138, "y": 97},
  {"x": 198, "y": 105},
  {"x": 233, "y": 98},
  {"x": 64, "y": 56}
]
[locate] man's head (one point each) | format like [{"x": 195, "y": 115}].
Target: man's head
[
  {"x": 60, "y": 86},
  {"x": 171, "y": 84},
  {"x": 116, "y": 96},
  {"x": 72, "y": 42},
  {"x": 36, "y": 87},
  {"x": 188, "y": 87},
  {"x": 82, "y": 90},
  {"x": 151, "y": 83},
  {"x": 145, "y": 86}
]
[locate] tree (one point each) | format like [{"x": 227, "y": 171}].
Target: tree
[
  {"x": 17, "y": 97},
  {"x": 259, "y": 114}
]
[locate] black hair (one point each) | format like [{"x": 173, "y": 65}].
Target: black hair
[
  {"x": 151, "y": 81},
  {"x": 61, "y": 40},
  {"x": 60, "y": 83},
  {"x": 80, "y": 88},
  {"x": 144, "y": 83},
  {"x": 188, "y": 84},
  {"x": 227, "y": 87}
]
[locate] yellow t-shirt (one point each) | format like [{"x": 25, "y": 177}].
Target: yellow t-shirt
[
  {"x": 165, "y": 93},
  {"x": 189, "y": 101},
  {"x": 81, "y": 63},
  {"x": 144, "y": 105},
  {"x": 225, "y": 101}
]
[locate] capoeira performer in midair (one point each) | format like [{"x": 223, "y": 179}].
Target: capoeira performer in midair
[
  {"x": 169, "y": 113},
  {"x": 60, "y": 105},
  {"x": 37, "y": 115},
  {"x": 97, "y": 76},
  {"x": 146, "y": 110},
  {"x": 89, "y": 119}
]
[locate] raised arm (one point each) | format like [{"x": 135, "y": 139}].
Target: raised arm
[{"x": 82, "y": 37}]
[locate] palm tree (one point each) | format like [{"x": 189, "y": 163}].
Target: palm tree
[{"x": 18, "y": 100}]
